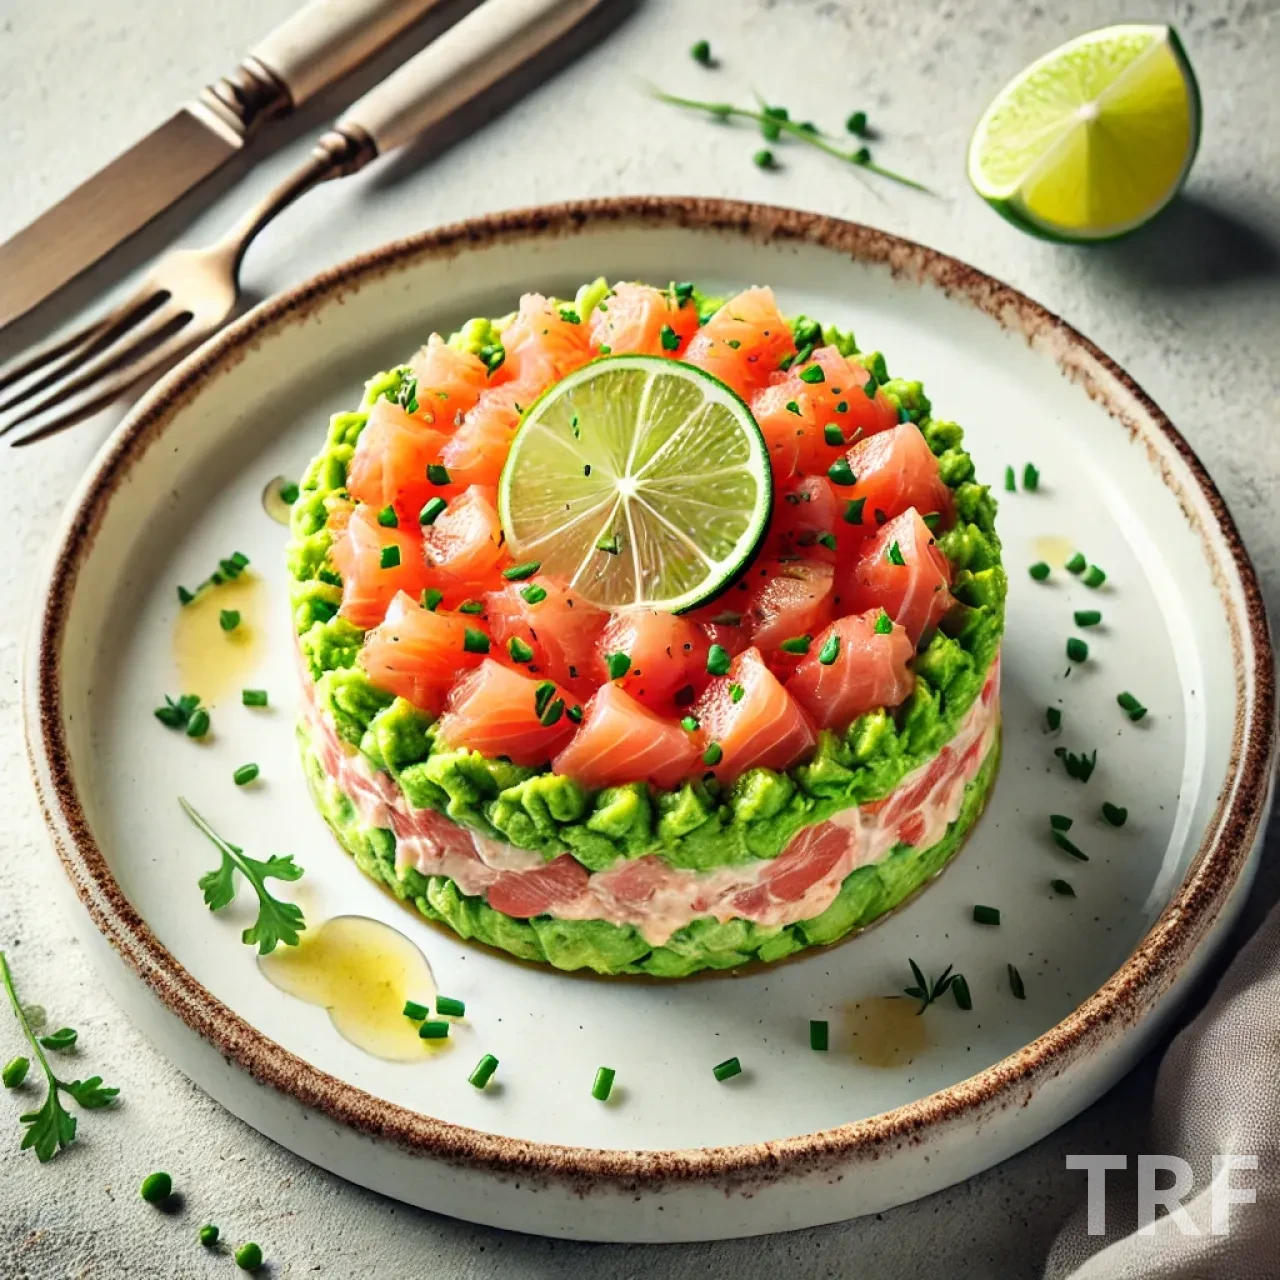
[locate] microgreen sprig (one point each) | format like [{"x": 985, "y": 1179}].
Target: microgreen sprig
[
  {"x": 51, "y": 1127},
  {"x": 927, "y": 992},
  {"x": 277, "y": 921},
  {"x": 861, "y": 158}
]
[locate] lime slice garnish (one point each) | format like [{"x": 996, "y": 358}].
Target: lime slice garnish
[
  {"x": 641, "y": 480},
  {"x": 1093, "y": 139}
]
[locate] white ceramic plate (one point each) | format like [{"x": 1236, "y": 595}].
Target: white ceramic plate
[{"x": 801, "y": 1137}]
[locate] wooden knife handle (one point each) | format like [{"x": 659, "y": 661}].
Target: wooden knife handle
[
  {"x": 328, "y": 38},
  {"x": 488, "y": 44}
]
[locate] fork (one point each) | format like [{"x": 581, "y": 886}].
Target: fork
[{"x": 191, "y": 293}]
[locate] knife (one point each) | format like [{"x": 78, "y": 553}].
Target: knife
[{"x": 321, "y": 43}]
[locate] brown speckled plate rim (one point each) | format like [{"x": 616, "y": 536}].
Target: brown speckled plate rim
[{"x": 1122, "y": 1001}]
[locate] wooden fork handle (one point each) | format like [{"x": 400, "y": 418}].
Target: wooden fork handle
[
  {"x": 488, "y": 44},
  {"x": 326, "y": 39}
]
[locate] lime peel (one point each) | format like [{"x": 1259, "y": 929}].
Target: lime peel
[{"x": 641, "y": 480}]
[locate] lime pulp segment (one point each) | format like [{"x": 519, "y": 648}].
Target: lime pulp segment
[
  {"x": 642, "y": 481},
  {"x": 1094, "y": 138}
]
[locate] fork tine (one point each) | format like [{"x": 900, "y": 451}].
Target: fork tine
[
  {"x": 85, "y": 342},
  {"x": 159, "y": 357},
  {"x": 129, "y": 347}
]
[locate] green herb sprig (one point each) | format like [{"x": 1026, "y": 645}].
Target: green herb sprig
[
  {"x": 278, "y": 922},
  {"x": 772, "y": 118},
  {"x": 51, "y": 1127},
  {"x": 927, "y": 992},
  {"x": 228, "y": 570}
]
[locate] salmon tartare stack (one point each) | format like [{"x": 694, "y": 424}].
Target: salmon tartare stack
[{"x": 647, "y": 632}]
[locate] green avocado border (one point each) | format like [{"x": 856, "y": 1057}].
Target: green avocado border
[
  {"x": 867, "y": 893},
  {"x": 701, "y": 824}
]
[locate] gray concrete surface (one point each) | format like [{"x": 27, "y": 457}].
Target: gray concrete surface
[{"x": 1191, "y": 306}]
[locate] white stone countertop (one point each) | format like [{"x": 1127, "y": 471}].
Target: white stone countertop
[{"x": 1190, "y": 306}]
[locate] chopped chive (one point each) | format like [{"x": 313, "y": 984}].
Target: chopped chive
[
  {"x": 1053, "y": 718},
  {"x": 1087, "y": 617},
  {"x": 533, "y": 594},
  {"x": 431, "y": 510},
  {"x": 229, "y": 619},
  {"x": 727, "y": 1069},
  {"x": 552, "y": 714},
  {"x": 387, "y": 517},
  {"x": 1062, "y": 887},
  {"x": 1039, "y": 571},
  {"x": 389, "y": 557},
  {"x": 839, "y": 472},
  {"x": 289, "y": 493},
  {"x": 712, "y": 755},
  {"x": 869, "y": 388},
  {"x": 542, "y": 696},
  {"x": 471, "y": 606},
  {"x": 735, "y": 692},
  {"x": 519, "y": 651},
  {"x": 682, "y": 290},
  {"x": 857, "y": 123},
  {"x": 414, "y": 1011},
  {"x": 669, "y": 337},
  {"x": 1067, "y": 846},
  {"x": 1076, "y": 564},
  {"x": 689, "y": 724},
  {"x": 894, "y": 555},
  {"x": 832, "y": 434},
  {"x": 605, "y": 349},
  {"x": 474, "y": 641},
  {"x": 198, "y": 724},
  {"x": 519, "y": 572},
  {"x": 1015, "y": 984},
  {"x": 827, "y": 540},
  {"x": 618, "y": 664},
  {"x": 763, "y": 159},
  {"x": 1077, "y": 650},
  {"x": 438, "y": 474},
  {"x": 812, "y": 374},
  {"x": 1030, "y": 478},
  {"x": 718, "y": 660},
  {"x": 960, "y": 989},
  {"x": 1060, "y": 822},
  {"x": 610, "y": 545},
  {"x": 184, "y": 596},
  {"x": 603, "y": 1085},
  {"x": 1131, "y": 706},
  {"x": 792, "y": 407},
  {"x": 1095, "y": 577},
  {"x": 853, "y": 510},
  {"x": 884, "y": 624},
  {"x": 434, "y": 1029},
  {"x": 431, "y": 597},
  {"x": 701, "y": 52},
  {"x": 484, "y": 1071},
  {"x": 830, "y": 650},
  {"x": 1080, "y": 767},
  {"x": 986, "y": 915},
  {"x": 570, "y": 316},
  {"x": 931, "y": 520},
  {"x": 1113, "y": 815},
  {"x": 843, "y": 407},
  {"x": 253, "y": 697},
  {"x": 796, "y": 644},
  {"x": 1010, "y": 483},
  {"x": 574, "y": 713},
  {"x": 245, "y": 774},
  {"x": 819, "y": 1035}
]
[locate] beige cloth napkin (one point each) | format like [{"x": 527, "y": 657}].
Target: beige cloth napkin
[{"x": 1217, "y": 1092}]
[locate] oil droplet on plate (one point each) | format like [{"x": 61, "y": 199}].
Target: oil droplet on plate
[
  {"x": 886, "y": 1031},
  {"x": 273, "y": 504},
  {"x": 213, "y": 662},
  {"x": 362, "y": 971},
  {"x": 1054, "y": 549}
]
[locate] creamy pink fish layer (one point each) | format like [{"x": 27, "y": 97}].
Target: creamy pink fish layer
[{"x": 647, "y": 893}]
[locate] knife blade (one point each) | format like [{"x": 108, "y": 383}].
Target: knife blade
[{"x": 321, "y": 43}]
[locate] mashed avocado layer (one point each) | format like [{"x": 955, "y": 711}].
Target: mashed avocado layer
[
  {"x": 699, "y": 825},
  {"x": 867, "y": 893}
]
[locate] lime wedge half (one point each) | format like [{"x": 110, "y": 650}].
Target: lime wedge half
[
  {"x": 643, "y": 481},
  {"x": 1093, "y": 139}
]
